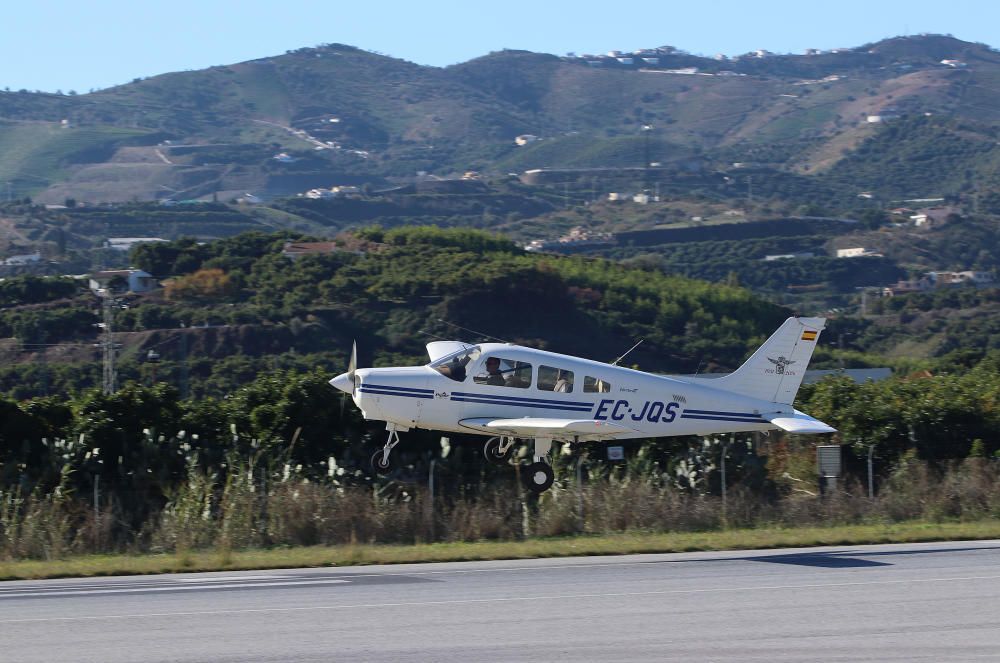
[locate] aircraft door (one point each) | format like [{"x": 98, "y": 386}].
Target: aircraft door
[{"x": 448, "y": 407}]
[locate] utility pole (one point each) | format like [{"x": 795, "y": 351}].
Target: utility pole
[
  {"x": 646, "y": 129},
  {"x": 110, "y": 378},
  {"x": 749, "y": 192},
  {"x": 871, "y": 473}
]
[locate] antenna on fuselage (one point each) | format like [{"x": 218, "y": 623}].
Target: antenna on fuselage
[
  {"x": 615, "y": 362},
  {"x": 427, "y": 333},
  {"x": 472, "y": 331}
]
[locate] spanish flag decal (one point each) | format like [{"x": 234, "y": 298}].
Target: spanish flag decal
[{"x": 809, "y": 335}]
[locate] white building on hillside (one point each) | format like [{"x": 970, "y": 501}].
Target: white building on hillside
[{"x": 130, "y": 280}]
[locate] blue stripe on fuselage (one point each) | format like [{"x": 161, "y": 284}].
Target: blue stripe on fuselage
[
  {"x": 747, "y": 420},
  {"x": 490, "y": 399},
  {"x": 721, "y": 414},
  {"x": 391, "y": 391},
  {"x": 394, "y": 388}
]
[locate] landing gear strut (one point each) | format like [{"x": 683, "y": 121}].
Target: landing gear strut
[{"x": 382, "y": 461}]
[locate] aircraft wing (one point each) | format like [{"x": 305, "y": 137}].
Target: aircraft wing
[
  {"x": 798, "y": 422},
  {"x": 591, "y": 429}
]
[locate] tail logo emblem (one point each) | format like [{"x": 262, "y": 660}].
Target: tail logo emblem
[{"x": 780, "y": 364}]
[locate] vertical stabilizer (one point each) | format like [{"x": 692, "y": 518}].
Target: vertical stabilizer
[{"x": 774, "y": 373}]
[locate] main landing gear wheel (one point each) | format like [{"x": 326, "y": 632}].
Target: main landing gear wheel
[
  {"x": 538, "y": 477},
  {"x": 382, "y": 466},
  {"x": 495, "y": 450}
]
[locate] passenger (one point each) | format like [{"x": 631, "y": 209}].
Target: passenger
[{"x": 564, "y": 382}]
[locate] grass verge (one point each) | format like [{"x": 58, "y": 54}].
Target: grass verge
[{"x": 613, "y": 544}]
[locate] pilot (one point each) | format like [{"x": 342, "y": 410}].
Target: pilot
[
  {"x": 495, "y": 377},
  {"x": 453, "y": 370}
]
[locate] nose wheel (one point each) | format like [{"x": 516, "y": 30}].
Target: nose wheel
[
  {"x": 538, "y": 476},
  {"x": 383, "y": 462},
  {"x": 498, "y": 450}
]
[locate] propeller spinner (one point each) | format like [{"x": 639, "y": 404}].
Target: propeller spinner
[{"x": 347, "y": 382}]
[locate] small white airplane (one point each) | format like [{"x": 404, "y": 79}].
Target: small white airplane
[{"x": 510, "y": 392}]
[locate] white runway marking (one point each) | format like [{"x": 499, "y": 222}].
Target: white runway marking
[
  {"x": 515, "y": 599},
  {"x": 168, "y": 588},
  {"x": 236, "y": 578}
]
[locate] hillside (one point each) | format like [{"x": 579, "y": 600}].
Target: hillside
[
  {"x": 236, "y": 306},
  {"x": 346, "y": 116}
]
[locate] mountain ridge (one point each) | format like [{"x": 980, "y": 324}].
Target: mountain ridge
[{"x": 340, "y": 112}]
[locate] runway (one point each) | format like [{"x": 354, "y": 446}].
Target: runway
[{"x": 915, "y": 602}]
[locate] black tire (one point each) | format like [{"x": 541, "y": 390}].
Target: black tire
[
  {"x": 538, "y": 477},
  {"x": 492, "y": 451},
  {"x": 380, "y": 467}
]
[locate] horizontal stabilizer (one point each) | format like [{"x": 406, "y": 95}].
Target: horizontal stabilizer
[
  {"x": 544, "y": 427},
  {"x": 798, "y": 422}
]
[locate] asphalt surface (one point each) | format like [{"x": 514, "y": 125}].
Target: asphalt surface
[{"x": 920, "y": 602}]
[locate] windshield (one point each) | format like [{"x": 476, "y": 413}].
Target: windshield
[{"x": 453, "y": 365}]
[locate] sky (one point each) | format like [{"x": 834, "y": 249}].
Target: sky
[{"x": 56, "y": 45}]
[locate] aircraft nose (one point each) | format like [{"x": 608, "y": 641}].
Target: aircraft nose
[{"x": 344, "y": 383}]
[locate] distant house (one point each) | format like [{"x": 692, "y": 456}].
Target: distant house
[
  {"x": 23, "y": 259},
  {"x": 905, "y": 287},
  {"x": 295, "y": 250},
  {"x": 944, "y": 279},
  {"x": 931, "y": 216},
  {"x": 979, "y": 278},
  {"x": 802, "y": 255},
  {"x": 332, "y": 192},
  {"x": 953, "y": 63},
  {"x": 856, "y": 252},
  {"x": 127, "y": 280},
  {"x": 320, "y": 194},
  {"x": 625, "y": 60},
  {"x": 525, "y": 139}
]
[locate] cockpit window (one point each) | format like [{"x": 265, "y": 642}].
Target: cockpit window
[
  {"x": 453, "y": 365},
  {"x": 501, "y": 372}
]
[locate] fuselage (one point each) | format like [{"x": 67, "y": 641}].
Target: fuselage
[{"x": 539, "y": 384}]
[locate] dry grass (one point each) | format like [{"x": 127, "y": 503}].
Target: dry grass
[{"x": 618, "y": 544}]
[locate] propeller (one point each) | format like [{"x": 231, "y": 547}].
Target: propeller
[
  {"x": 352, "y": 366},
  {"x": 348, "y": 382}
]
